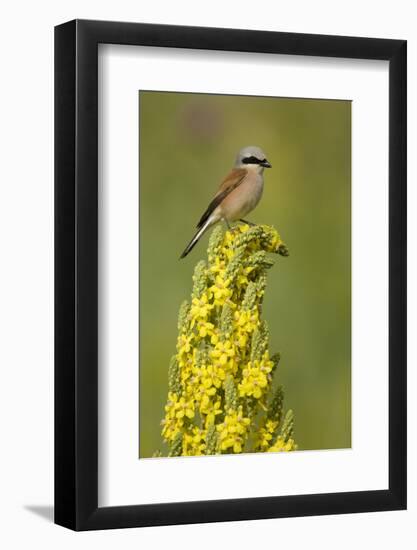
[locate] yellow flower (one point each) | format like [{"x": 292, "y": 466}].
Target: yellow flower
[
  {"x": 241, "y": 339},
  {"x": 274, "y": 242},
  {"x": 242, "y": 280},
  {"x": 186, "y": 362},
  {"x": 223, "y": 352},
  {"x": 183, "y": 408},
  {"x": 214, "y": 411},
  {"x": 220, "y": 290},
  {"x": 282, "y": 446},
  {"x": 227, "y": 241},
  {"x": 255, "y": 378},
  {"x": 247, "y": 321},
  {"x": 244, "y": 227},
  {"x": 202, "y": 395},
  {"x": 266, "y": 434},
  {"x": 194, "y": 442},
  {"x": 205, "y": 329},
  {"x": 233, "y": 431},
  {"x": 215, "y": 338},
  {"x": 184, "y": 343},
  {"x": 212, "y": 375},
  {"x": 200, "y": 308},
  {"x": 206, "y": 404},
  {"x": 171, "y": 425},
  {"x": 218, "y": 266}
]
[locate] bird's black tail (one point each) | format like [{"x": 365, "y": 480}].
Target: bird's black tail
[{"x": 195, "y": 239}]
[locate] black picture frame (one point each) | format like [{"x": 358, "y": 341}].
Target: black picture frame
[{"x": 76, "y": 273}]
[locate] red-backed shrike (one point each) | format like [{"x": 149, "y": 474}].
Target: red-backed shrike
[{"x": 238, "y": 194}]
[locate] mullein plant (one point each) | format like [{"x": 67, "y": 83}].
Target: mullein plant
[{"x": 222, "y": 398}]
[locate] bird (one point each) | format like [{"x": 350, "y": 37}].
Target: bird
[{"x": 238, "y": 194}]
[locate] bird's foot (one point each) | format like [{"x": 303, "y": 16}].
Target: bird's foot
[{"x": 227, "y": 224}]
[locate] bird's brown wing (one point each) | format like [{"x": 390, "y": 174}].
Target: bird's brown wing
[{"x": 233, "y": 180}]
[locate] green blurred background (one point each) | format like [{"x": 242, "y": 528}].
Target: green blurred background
[{"x": 188, "y": 143}]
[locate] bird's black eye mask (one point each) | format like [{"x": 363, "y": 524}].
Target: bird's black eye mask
[{"x": 253, "y": 160}]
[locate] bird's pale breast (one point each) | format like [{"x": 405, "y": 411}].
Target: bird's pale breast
[{"x": 243, "y": 199}]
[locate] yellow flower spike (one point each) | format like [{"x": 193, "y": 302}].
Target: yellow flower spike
[
  {"x": 183, "y": 316},
  {"x": 176, "y": 447},
  {"x": 220, "y": 380}
]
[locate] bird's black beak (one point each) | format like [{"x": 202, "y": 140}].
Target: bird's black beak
[{"x": 266, "y": 164}]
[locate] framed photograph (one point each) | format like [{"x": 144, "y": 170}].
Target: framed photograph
[{"x": 230, "y": 252}]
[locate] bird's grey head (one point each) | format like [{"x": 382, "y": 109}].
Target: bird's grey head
[{"x": 252, "y": 157}]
